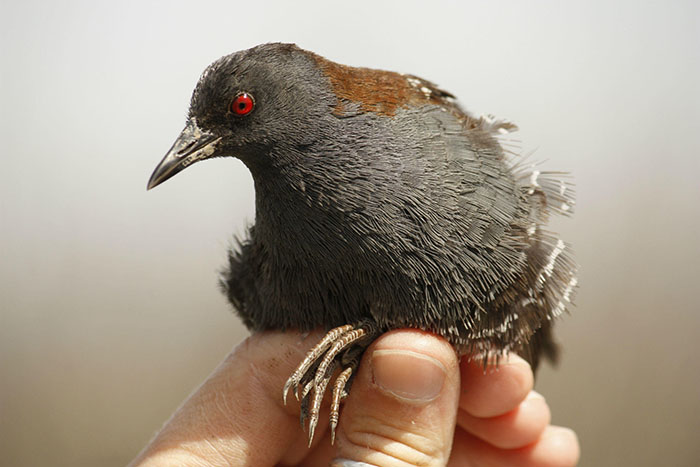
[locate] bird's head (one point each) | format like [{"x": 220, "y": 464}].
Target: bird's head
[{"x": 247, "y": 103}]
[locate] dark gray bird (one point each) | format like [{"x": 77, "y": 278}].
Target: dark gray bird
[{"x": 380, "y": 204}]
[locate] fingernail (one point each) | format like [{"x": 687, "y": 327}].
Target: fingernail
[
  {"x": 407, "y": 375},
  {"x": 532, "y": 395},
  {"x": 349, "y": 463}
]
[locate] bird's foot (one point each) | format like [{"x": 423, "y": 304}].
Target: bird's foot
[{"x": 341, "y": 348}]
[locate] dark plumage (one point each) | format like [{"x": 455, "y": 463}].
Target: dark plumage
[{"x": 380, "y": 204}]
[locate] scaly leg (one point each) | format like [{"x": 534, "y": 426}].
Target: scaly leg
[
  {"x": 341, "y": 348},
  {"x": 339, "y": 394},
  {"x": 310, "y": 358}
]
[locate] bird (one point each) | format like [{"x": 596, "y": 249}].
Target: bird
[{"x": 380, "y": 203}]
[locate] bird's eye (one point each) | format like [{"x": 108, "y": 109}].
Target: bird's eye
[{"x": 242, "y": 104}]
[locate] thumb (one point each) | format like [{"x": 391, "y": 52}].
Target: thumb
[{"x": 403, "y": 403}]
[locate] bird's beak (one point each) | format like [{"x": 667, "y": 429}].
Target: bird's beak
[{"x": 191, "y": 146}]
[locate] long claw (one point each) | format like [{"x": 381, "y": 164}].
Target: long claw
[
  {"x": 342, "y": 346},
  {"x": 319, "y": 391},
  {"x": 333, "y": 425},
  {"x": 285, "y": 390},
  {"x": 312, "y": 429}
]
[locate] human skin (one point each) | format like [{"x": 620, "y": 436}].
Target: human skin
[{"x": 413, "y": 402}]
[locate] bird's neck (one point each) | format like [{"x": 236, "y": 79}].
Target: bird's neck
[{"x": 291, "y": 221}]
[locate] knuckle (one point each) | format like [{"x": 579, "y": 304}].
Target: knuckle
[{"x": 393, "y": 445}]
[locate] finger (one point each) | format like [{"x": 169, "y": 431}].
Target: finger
[
  {"x": 557, "y": 447},
  {"x": 497, "y": 390},
  {"x": 237, "y": 414},
  {"x": 514, "y": 429},
  {"x": 403, "y": 403}
]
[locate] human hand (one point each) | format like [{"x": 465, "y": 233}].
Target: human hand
[{"x": 405, "y": 408}]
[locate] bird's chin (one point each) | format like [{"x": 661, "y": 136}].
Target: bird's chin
[{"x": 192, "y": 145}]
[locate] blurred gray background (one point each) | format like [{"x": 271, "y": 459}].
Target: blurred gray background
[{"x": 109, "y": 308}]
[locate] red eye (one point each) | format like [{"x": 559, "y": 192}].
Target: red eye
[{"x": 242, "y": 104}]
